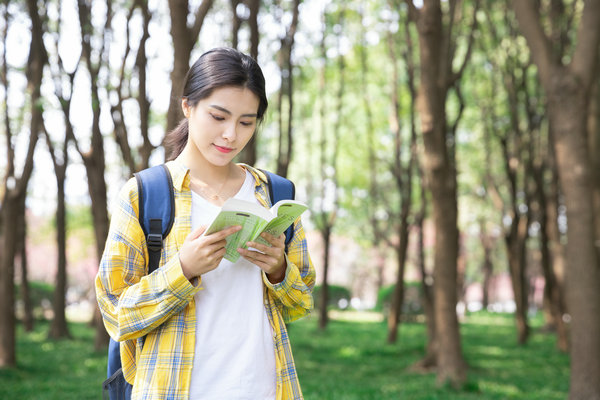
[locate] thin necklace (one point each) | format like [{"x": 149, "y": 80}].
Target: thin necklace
[{"x": 216, "y": 195}]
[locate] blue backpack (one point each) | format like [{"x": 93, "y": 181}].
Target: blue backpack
[{"x": 156, "y": 201}]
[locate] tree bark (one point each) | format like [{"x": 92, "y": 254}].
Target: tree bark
[
  {"x": 248, "y": 154},
  {"x": 402, "y": 176},
  {"x": 139, "y": 159},
  {"x": 568, "y": 91},
  {"x": 94, "y": 158},
  {"x": 21, "y": 257},
  {"x": 516, "y": 241},
  {"x": 286, "y": 91},
  {"x": 594, "y": 139},
  {"x": 15, "y": 188},
  {"x": 552, "y": 289},
  {"x": 328, "y": 159},
  {"x": 184, "y": 38},
  {"x": 323, "y": 312},
  {"x": 440, "y": 175}
]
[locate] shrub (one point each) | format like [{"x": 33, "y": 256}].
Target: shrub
[
  {"x": 335, "y": 292},
  {"x": 413, "y": 298}
]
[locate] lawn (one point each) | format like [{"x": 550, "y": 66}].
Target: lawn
[{"x": 349, "y": 361}]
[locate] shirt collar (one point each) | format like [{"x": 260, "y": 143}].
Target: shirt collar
[{"x": 179, "y": 174}]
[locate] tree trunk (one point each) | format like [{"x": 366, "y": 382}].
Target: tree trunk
[
  {"x": 184, "y": 38},
  {"x": 487, "y": 267},
  {"x": 440, "y": 176},
  {"x": 236, "y": 23},
  {"x": 286, "y": 91},
  {"x": 516, "y": 249},
  {"x": 398, "y": 296},
  {"x": 248, "y": 154},
  {"x": 7, "y": 278},
  {"x": 58, "y": 327},
  {"x": 429, "y": 361},
  {"x": 14, "y": 195},
  {"x": 94, "y": 158},
  {"x": 568, "y": 91},
  {"x": 594, "y": 139},
  {"x": 552, "y": 290},
  {"x": 21, "y": 257},
  {"x": 567, "y": 105},
  {"x": 323, "y": 315},
  {"x": 254, "y": 6}
]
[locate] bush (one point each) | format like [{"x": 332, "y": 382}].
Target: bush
[
  {"x": 41, "y": 296},
  {"x": 335, "y": 294},
  {"x": 413, "y": 298}
]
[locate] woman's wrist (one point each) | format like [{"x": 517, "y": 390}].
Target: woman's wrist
[{"x": 279, "y": 274}]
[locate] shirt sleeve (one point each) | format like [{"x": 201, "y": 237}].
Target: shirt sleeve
[
  {"x": 133, "y": 303},
  {"x": 293, "y": 295}
]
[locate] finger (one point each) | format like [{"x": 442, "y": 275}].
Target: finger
[
  {"x": 273, "y": 239},
  {"x": 222, "y": 234},
  {"x": 253, "y": 257},
  {"x": 195, "y": 234},
  {"x": 263, "y": 248}
]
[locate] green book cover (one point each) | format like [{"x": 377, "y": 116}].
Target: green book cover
[{"x": 254, "y": 219}]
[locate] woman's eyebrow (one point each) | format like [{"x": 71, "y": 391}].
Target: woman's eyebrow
[{"x": 226, "y": 111}]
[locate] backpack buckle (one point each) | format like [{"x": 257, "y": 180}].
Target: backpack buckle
[{"x": 154, "y": 241}]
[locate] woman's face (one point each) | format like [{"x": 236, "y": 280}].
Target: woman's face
[{"x": 222, "y": 124}]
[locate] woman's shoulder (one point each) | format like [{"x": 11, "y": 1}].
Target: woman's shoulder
[{"x": 128, "y": 197}]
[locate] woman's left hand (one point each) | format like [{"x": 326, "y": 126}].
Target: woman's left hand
[{"x": 270, "y": 259}]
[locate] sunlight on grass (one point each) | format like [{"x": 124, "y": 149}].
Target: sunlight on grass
[{"x": 349, "y": 351}]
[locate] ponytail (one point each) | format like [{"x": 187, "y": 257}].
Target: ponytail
[{"x": 176, "y": 140}]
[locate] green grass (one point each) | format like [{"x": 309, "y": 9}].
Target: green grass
[
  {"x": 54, "y": 369},
  {"x": 348, "y": 361}
]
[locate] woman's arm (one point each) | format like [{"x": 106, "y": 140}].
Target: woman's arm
[
  {"x": 293, "y": 295},
  {"x": 134, "y": 303}
]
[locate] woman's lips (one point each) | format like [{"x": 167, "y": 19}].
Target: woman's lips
[{"x": 223, "y": 149}]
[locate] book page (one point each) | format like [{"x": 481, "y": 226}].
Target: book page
[
  {"x": 251, "y": 225},
  {"x": 287, "y": 212}
]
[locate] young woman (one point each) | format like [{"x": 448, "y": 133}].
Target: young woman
[{"x": 201, "y": 327}]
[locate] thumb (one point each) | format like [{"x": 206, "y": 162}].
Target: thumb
[{"x": 195, "y": 234}]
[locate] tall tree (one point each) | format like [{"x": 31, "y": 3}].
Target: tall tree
[
  {"x": 402, "y": 172},
  {"x": 125, "y": 91},
  {"x": 286, "y": 93},
  {"x": 60, "y": 159},
  {"x": 94, "y": 44},
  {"x": 567, "y": 78},
  {"x": 437, "y": 46},
  {"x": 15, "y": 186},
  {"x": 326, "y": 215},
  {"x": 184, "y": 38},
  {"x": 248, "y": 154}
]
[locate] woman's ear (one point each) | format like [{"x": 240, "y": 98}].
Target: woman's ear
[{"x": 185, "y": 107}]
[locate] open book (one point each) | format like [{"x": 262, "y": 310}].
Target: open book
[{"x": 254, "y": 220}]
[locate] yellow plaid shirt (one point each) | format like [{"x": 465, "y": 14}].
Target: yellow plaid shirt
[{"x": 160, "y": 306}]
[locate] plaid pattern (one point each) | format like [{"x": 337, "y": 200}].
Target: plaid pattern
[{"x": 153, "y": 316}]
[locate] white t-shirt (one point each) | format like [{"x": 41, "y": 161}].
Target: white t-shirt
[{"x": 235, "y": 355}]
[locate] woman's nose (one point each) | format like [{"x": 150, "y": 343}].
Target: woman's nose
[{"x": 230, "y": 132}]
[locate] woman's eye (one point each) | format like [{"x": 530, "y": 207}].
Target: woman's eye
[
  {"x": 217, "y": 117},
  {"x": 246, "y": 123}
]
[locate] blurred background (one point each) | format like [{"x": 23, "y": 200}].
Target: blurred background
[{"x": 449, "y": 152}]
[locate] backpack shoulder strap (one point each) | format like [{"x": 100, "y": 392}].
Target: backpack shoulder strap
[
  {"x": 281, "y": 188},
  {"x": 156, "y": 208}
]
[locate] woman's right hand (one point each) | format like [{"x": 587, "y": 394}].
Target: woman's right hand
[{"x": 201, "y": 254}]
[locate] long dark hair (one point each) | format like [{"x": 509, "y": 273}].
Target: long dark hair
[{"x": 215, "y": 69}]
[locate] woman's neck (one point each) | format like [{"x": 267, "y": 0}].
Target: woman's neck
[{"x": 203, "y": 170}]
